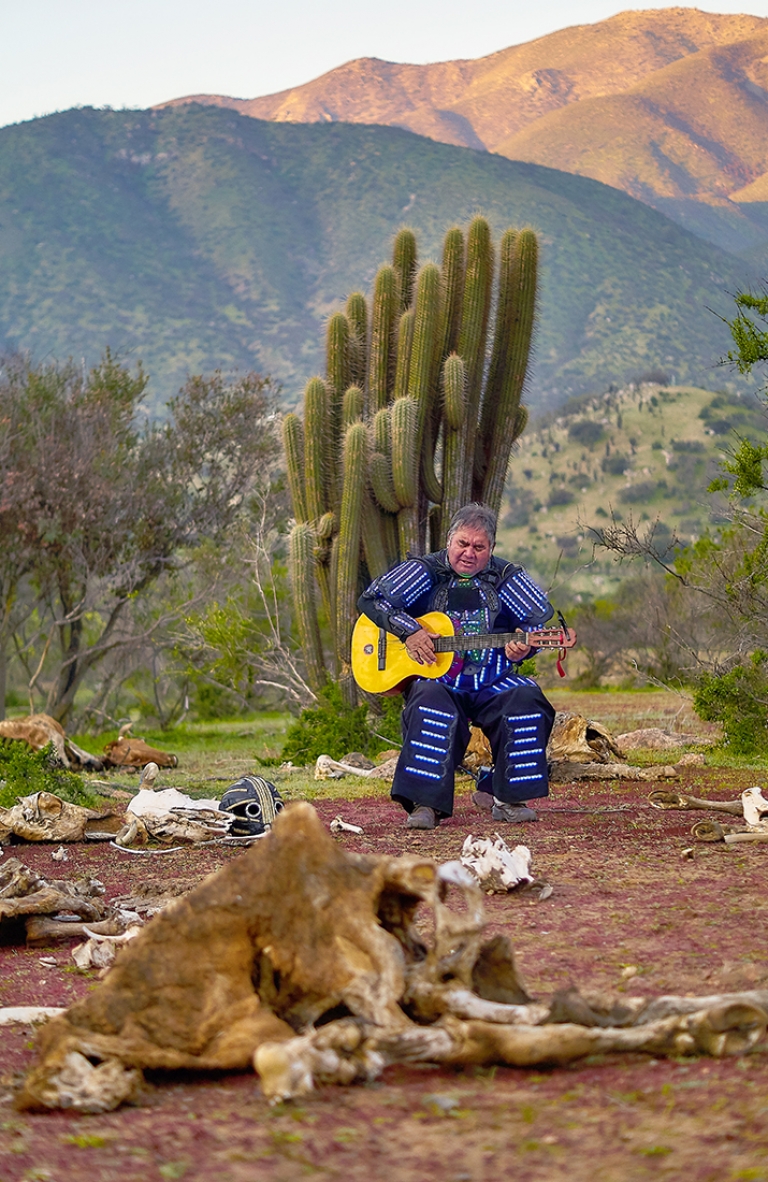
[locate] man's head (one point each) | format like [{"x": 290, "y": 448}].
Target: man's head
[{"x": 471, "y": 538}]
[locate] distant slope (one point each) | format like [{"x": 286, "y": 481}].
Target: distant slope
[
  {"x": 670, "y": 105},
  {"x": 645, "y": 452},
  {"x": 193, "y": 237}
]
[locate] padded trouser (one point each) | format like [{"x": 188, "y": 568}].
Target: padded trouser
[{"x": 517, "y": 719}]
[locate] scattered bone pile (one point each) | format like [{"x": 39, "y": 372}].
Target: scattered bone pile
[
  {"x": 752, "y": 808},
  {"x": 52, "y": 909},
  {"x": 307, "y": 962}
]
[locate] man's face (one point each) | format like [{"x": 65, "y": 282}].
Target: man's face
[{"x": 469, "y": 551}]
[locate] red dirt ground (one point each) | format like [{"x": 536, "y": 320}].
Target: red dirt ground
[{"x": 623, "y": 898}]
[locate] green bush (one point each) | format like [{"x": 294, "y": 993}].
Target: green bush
[
  {"x": 23, "y": 772},
  {"x": 739, "y": 700},
  {"x": 334, "y": 728}
]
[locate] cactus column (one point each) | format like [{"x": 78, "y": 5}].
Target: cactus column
[{"x": 406, "y": 426}]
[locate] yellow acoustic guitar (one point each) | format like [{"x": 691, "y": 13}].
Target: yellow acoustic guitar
[{"x": 381, "y": 662}]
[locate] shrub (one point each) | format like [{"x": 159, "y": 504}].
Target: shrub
[
  {"x": 334, "y": 728},
  {"x": 586, "y": 431},
  {"x": 614, "y": 465},
  {"x": 560, "y": 496},
  {"x": 643, "y": 491},
  {"x": 739, "y": 700},
  {"x": 23, "y": 772}
]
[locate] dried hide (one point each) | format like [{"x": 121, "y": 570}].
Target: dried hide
[
  {"x": 580, "y": 740},
  {"x": 45, "y": 817},
  {"x": 127, "y": 752},
  {"x": 258, "y": 961},
  {"x": 38, "y": 730}
]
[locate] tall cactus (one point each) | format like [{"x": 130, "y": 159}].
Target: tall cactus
[
  {"x": 503, "y": 425},
  {"x": 348, "y": 553},
  {"x": 301, "y": 569},
  {"x": 404, "y": 255},
  {"x": 380, "y": 364},
  {"x": 407, "y": 425}
]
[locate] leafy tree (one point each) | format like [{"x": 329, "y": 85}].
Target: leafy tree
[
  {"x": 715, "y": 604},
  {"x": 98, "y": 506}
]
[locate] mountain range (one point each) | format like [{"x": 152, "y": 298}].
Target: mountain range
[
  {"x": 194, "y": 237},
  {"x": 669, "y": 105}
]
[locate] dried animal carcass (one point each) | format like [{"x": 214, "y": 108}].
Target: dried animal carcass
[
  {"x": 125, "y": 751},
  {"x": 43, "y": 816},
  {"x": 255, "y": 964},
  {"x": 169, "y": 817},
  {"x": 39, "y": 731}
]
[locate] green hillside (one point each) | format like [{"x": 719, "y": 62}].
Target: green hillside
[
  {"x": 647, "y": 452},
  {"x": 195, "y": 237}
]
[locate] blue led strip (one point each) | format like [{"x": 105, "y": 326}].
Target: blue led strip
[{"x": 524, "y": 748}]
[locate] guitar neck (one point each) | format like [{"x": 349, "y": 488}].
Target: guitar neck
[{"x": 465, "y": 644}]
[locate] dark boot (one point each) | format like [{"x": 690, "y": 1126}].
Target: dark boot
[{"x": 422, "y": 817}]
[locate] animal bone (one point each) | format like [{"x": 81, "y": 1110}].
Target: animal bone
[
  {"x": 663, "y": 798},
  {"x": 99, "y": 950},
  {"x": 708, "y": 831},
  {"x": 253, "y": 962},
  {"x": 332, "y": 769},
  {"x": 494, "y": 865},
  {"x": 338, "y": 825},
  {"x": 755, "y": 808}
]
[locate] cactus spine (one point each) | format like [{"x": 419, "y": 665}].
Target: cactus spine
[{"x": 402, "y": 421}]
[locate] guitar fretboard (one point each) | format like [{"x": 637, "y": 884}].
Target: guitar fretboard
[{"x": 547, "y": 638}]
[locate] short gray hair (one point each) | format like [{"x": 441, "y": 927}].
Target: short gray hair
[{"x": 474, "y": 516}]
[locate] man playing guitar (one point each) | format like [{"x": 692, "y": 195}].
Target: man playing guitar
[{"x": 481, "y": 594}]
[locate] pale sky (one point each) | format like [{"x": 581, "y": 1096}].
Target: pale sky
[{"x": 56, "y": 54}]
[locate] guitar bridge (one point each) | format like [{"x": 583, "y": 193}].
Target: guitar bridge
[{"x": 382, "y": 660}]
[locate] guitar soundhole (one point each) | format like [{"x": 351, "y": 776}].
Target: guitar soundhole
[{"x": 368, "y": 650}]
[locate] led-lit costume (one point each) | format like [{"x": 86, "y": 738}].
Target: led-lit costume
[{"x": 481, "y": 687}]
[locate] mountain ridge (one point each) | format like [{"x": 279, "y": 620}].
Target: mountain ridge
[
  {"x": 613, "y": 101},
  {"x": 193, "y": 238}
]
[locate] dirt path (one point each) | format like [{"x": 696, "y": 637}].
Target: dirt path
[{"x": 627, "y": 912}]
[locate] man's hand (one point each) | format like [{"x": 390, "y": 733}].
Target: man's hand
[
  {"x": 420, "y": 647},
  {"x": 517, "y": 651}
]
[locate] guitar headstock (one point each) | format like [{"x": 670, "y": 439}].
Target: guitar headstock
[{"x": 552, "y": 638}]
